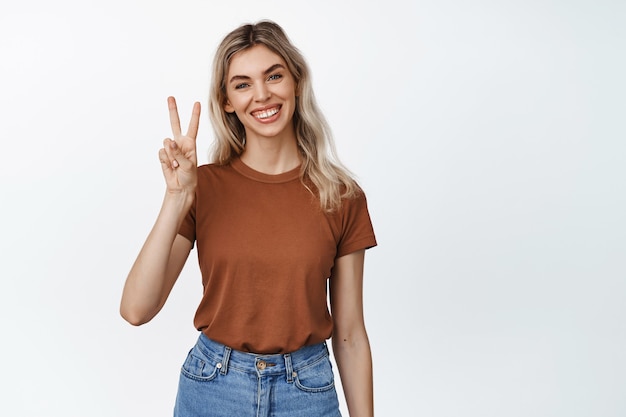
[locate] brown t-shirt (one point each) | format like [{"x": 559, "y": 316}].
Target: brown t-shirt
[{"x": 266, "y": 250}]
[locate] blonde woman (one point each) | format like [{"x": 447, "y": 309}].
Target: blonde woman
[{"x": 276, "y": 220}]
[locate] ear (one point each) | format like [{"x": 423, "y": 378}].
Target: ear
[{"x": 228, "y": 108}]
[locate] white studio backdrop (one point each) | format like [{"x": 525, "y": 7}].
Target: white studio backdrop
[{"x": 489, "y": 137}]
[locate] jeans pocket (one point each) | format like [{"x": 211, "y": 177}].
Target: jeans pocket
[
  {"x": 317, "y": 377},
  {"x": 199, "y": 367}
]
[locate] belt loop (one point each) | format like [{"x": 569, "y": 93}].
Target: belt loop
[
  {"x": 288, "y": 367},
  {"x": 225, "y": 360}
]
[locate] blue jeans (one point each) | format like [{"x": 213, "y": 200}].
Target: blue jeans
[{"x": 217, "y": 381}]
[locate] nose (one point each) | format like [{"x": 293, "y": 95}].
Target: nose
[{"x": 261, "y": 92}]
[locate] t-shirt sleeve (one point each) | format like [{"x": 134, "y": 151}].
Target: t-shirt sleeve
[
  {"x": 356, "y": 226},
  {"x": 188, "y": 227}
]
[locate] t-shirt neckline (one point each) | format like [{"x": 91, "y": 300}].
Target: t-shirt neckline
[{"x": 239, "y": 166}]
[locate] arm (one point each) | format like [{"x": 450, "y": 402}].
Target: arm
[
  {"x": 164, "y": 253},
  {"x": 157, "y": 266},
  {"x": 350, "y": 343}
]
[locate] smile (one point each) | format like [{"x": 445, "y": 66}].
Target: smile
[{"x": 266, "y": 113}]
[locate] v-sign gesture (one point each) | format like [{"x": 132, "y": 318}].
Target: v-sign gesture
[
  {"x": 164, "y": 253},
  {"x": 178, "y": 156}
]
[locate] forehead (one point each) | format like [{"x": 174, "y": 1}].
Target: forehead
[{"x": 253, "y": 60}]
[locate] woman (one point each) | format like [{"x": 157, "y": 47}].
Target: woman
[{"x": 275, "y": 218}]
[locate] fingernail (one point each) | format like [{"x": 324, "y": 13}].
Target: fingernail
[
  {"x": 173, "y": 145},
  {"x": 175, "y": 163}
]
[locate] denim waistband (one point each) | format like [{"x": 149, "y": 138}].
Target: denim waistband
[{"x": 287, "y": 363}]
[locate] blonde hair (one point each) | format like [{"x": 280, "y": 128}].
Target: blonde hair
[{"x": 320, "y": 164}]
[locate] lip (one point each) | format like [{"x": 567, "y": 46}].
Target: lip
[{"x": 265, "y": 108}]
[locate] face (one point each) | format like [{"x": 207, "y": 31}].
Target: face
[{"x": 262, "y": 92}]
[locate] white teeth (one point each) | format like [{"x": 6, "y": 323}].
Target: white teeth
[{"x": 264, "y": 114}]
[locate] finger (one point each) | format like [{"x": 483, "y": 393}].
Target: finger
[
  {"x": 169, "y": 148},
  {"x": 165, "y": 162},
  {"x": 174, "y": 155},
  {"x": 174, "y": 120},
  {"x": 192, "y": 131}
]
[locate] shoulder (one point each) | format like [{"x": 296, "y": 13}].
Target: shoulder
[
  {"x": 214, "y": 177},
  {"x": 212, "y": 167},
  {"x": 352, "y": 194},
  {"x": 214, "y": 170},
  {"x": 353, "y": 201}
]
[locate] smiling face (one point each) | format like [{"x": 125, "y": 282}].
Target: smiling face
[{"x": 261, "y": 91}]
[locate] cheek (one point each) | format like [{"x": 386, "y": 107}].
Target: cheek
[
  {"x": 288, "y": 93},
  {"x": 236, "y": 104}
]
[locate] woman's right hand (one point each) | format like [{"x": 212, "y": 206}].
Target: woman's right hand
[
  {"x": 178, "y": 155},
  {"x": 163, "y": 256}
]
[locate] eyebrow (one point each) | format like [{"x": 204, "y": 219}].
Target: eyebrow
[{"x": 266, "y": 72}]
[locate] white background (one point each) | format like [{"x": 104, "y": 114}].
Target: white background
[{"x": 488, "y": 135}]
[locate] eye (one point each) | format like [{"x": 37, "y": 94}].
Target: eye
[
  {"x": 274, "y": 77},
  {"x": 240, "y": 86}
]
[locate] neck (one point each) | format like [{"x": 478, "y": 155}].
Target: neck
[{"x": 271, "y": 155}]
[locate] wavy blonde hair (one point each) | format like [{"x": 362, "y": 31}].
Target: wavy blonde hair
[{"x": 315, "y": 143}]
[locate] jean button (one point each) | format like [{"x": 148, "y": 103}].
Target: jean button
[{"x": 261, "y": 365}]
